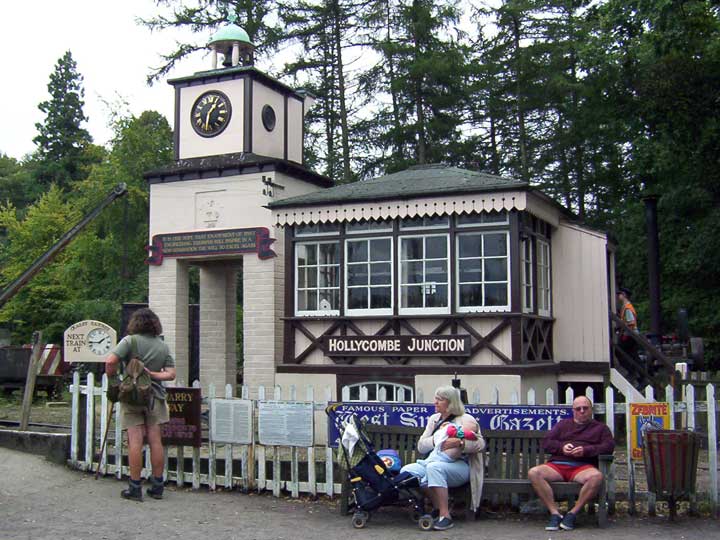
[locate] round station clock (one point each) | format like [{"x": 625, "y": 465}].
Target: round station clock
[
  {"x": 99, "y": 341},
  {"x": 210, "y": 113}
]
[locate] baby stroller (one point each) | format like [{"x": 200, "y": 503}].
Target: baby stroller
[{"x": 373, "y": 485}]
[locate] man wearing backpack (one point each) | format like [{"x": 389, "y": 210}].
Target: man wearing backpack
[{"x": 143, "y": 342}]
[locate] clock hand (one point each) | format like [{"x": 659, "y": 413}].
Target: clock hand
[{"x": 207, "y": 116}]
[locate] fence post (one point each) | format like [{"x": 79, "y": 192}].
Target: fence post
[
  {"x": 690, "y": 408},
  {"x": 712, "y": 445},
  {"x": 630, "y": 463},
  {"x": 74, "y": 419},
  {"x": 312, "y": 481},
  {"x": 90, "y": 421},
  {"x": 651, "y": 499},
  {"x": 610, "y": 421},
  {"x": 212, "y": 463},
  {"x": 196, "y": 455},
  {"x": 29, "y": 391},
  {"x": 260, "y": 451},
  {"x": 329, "y": 471}
]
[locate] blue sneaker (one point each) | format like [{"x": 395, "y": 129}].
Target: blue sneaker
[
  {"x": 554, "y": 523},
  {"x": 443, "y": 524},
  {"x": 568, "y": 522}
]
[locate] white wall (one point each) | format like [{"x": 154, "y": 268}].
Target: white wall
[
  {"x": 264, "y": 142},
  {"x": 580, "y": 295},
  {"x": 230, "y": 140}
]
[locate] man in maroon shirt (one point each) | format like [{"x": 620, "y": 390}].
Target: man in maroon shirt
[{"x": 574, "y": 446}]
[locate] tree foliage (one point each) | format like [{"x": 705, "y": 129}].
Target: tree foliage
[{"x": 64, "y": 151}]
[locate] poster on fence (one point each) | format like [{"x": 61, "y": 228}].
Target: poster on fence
[
  {"x": 490, "y": 417},
  {"x": 231, "y": 421},
  {"x": 184, "y": 428},
  {"x": 642, "y": 417},
  {"x": 285, "y": 423}
]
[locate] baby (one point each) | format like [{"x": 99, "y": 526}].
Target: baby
[{"x": 442, "y": 434}]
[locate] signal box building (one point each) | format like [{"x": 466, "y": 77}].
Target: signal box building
[{"x": 394, "y": 284}]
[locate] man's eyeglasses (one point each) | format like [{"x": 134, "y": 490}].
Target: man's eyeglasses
[{"x": 580, "y": 408}]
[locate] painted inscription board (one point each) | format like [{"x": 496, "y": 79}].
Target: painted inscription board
[
  {"x": 445, "y": 345},
  {"x": 212, "y": 242},
  {"x": 184, "y": 427}
]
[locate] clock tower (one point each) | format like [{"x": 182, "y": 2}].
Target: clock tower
[
  {"x": 238, "y": 138},
  {"x": 236, "y": 107}
]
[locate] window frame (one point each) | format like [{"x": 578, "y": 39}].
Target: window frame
[
  {"x": 527, "y": 279},
  {"x": 318, "y": 312},
  {"x": 543, "y": 250},
  {"x": 508, "y": 282},
  {"x": 424, "y": 310},
  {"x": 346, "y": 263}
]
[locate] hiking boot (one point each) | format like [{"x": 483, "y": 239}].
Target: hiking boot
[
  {"x": 133, "y": 492},
  {"x": 554, "y": 523},
  {"x": 443, "y": 524},
  {"x": 568, "y": 522},
  {"x": 156, "y": 490}
]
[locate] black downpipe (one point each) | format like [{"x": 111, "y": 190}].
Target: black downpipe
[{"x": 653, "y": 243}]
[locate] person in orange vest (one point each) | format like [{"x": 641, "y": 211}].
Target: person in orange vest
[{"x": 629, "y": 317}]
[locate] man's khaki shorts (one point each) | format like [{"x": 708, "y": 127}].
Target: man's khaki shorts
[{"x": 133, "y": 415}]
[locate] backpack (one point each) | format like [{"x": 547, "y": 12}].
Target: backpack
[{"x": 136, "y": 387}]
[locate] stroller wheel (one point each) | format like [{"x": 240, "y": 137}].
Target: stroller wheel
[
  {"x": 426, "y": 522},
  {"x": 359, "y": 519}
]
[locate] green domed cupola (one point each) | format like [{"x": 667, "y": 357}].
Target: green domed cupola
[{"x": 234, "y": 43}]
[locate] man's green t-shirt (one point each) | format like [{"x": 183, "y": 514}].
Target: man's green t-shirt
[{"x": 151, "y": 350}]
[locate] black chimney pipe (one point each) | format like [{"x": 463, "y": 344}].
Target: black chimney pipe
[{"x": 653, "y": 244}]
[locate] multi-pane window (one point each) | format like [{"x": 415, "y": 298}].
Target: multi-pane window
[
  {"x": 543, "y": 277},
  {"x": 424, "y": 274},
  {"x": 435, "y": 222},
  {"x": 318, "y": 278},
  {"x": 526, "y": 253},
  {"x": 369, "y": 276},
  {"x": 378, "y": 391},
  {"x": 483, "y": 272},
  {"x": 368, "y": 226},
  {"x": 482, "y": 219}
]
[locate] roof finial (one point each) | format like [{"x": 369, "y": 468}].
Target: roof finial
[{"x": 232, "y": 18}]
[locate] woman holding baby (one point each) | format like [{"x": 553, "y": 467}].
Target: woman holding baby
[{"x": 454, "y": 442}]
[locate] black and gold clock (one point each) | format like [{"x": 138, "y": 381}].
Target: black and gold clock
[{"x": 210, "y": 113}]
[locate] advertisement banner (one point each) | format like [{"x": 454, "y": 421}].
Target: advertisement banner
[
  {"x": 490, "y": 417},
  {"x": 642, "y": 416}
]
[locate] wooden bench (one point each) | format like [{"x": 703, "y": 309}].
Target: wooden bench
[{"x": 508, "y": 457}]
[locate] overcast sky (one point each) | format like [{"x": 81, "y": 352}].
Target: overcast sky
[{"x": 112, "y": 52}]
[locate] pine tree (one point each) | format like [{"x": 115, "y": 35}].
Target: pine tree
[
  {"x": 204, "y": 17},
  {"x": 62, "y": 141}
]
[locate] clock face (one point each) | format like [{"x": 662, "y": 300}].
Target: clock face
[
  {"x": 268, "y": 117},
  {"x": 210, "y": 114},
  {"x": 99, "y": 341}
]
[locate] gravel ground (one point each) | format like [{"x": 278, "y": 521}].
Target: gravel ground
[{"x": 39, "y": 500}]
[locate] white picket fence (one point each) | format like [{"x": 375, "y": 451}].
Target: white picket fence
[{"x": 253, "y": 471}]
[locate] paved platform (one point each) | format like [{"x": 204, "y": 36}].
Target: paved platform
[{"x": 41, "y": 500}]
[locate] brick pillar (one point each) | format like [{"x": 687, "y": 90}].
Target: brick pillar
[
  {"x": 262, "y": 310},
  {"x": 168, "y": 298},
  {"x": 218, "y": 293}
]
